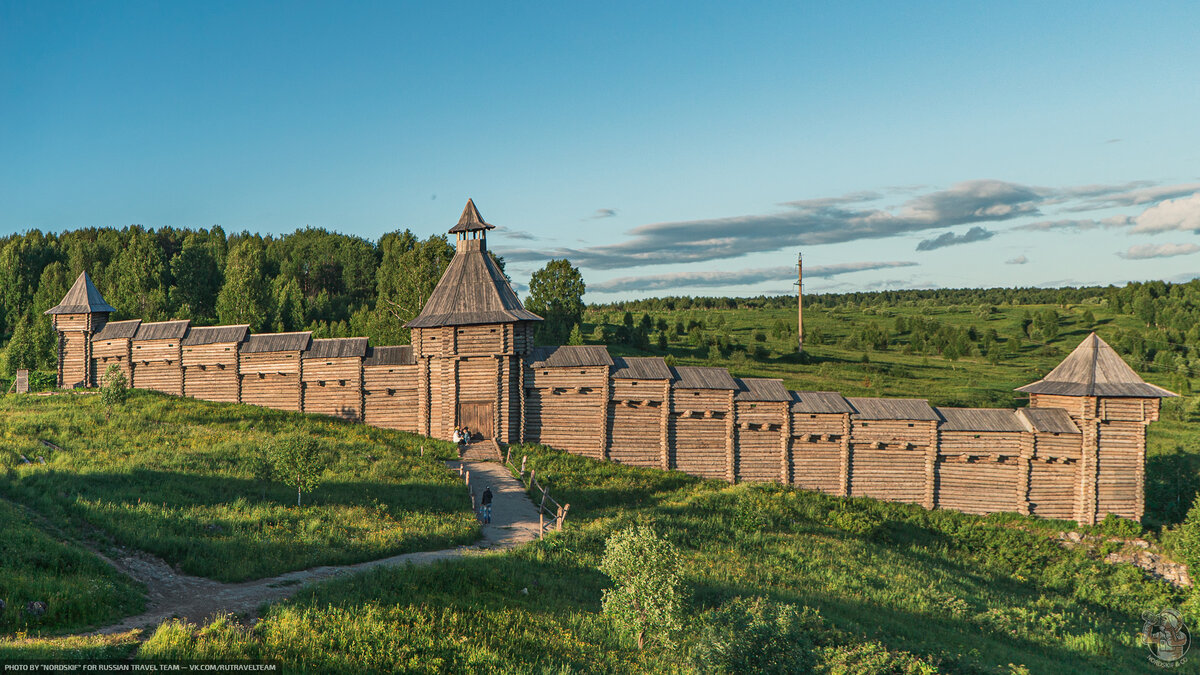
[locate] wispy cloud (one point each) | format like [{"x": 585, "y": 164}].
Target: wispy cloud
[
  {"x": 1076, "y": 224},
  {"x": 510, "y": 233},
  {"x": 1019, "y": 260},
  {"x": 603, "y": 213},
  {"x": 805, "y": 223},
  {"x": 950, "y": 239},
  {"x": 853, "y": 217},
  {"x": 743, "y": 277},
  {"x": 1174, "y": 214},
  {"x": 1144, "y": 251}
]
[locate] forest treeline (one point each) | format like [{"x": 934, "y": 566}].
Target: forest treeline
[{"x": 339, "y": 285}]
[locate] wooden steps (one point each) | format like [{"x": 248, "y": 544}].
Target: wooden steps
[{"x": 486, "y": 450}]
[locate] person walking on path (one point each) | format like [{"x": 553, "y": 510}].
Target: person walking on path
[{"x": 485, "y": 505}]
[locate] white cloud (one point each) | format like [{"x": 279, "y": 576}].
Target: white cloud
[
  {"x": 1144, "y": 251},
  {"x": 1019, "y": 260},
  {"x": 743, "y": 277},
  {"x": 1173, "y": 214}
]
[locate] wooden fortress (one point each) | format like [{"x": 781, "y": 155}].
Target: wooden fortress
[{"x": 1077, "y": 452}]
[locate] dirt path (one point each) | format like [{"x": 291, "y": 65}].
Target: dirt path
[{"x": 171, "y": 594}]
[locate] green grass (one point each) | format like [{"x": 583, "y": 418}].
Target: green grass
[
  {"x": 176, "y": 478},
  {"x": 78, "y": 588},
  {"x": 897, "y": 589}
]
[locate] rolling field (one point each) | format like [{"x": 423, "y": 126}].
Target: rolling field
[{"x": 878, "y": 587}]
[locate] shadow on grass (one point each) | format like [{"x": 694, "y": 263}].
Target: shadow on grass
[{"x": 232, "y": 529}]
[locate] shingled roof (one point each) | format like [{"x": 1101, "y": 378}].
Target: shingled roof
[
  {"x": 892, "y": 409},
  {"x": 703, "y": 377},
  {"x": 472, "y": 290},
  {"x": 979, "y": 419},
  {"x": 1094, "y": 369},
  {"x": 1049, "y": 420},
  {"x": 471, "y": 221},
  {"x": 118, "y": 330},
  {"x": 276, "y": 342},
  {"x": 819, "y": 402},
  {"x": 390, "y": 356},
  {"x": 83, "y": 298},
  {"x": 212, "y": 335},
  {"x": 761, "y": 389},
  {"x": 640, "y": 368},
  {"x": 569, "y": 356},
  {"x": 162, "y": 330},
  {"x": 336, "y": 348}
]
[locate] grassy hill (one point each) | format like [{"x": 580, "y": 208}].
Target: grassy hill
[{"x": 878, "y": 588}]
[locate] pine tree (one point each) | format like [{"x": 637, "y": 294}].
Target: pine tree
[
  {"x": 576, "y": 336},
  {"x": 244, "y": 298},
  {"x": 406, "y": 278},
  {"x": 288, "y": 305}
]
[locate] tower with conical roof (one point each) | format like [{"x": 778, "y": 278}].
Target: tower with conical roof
[
  {"x": 469, "y": 342},
  {"x": 81, "y": 314},
  {"x": 1112, "y": 406}
]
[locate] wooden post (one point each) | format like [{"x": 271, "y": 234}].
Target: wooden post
[
  {"x": 730, "y": 447},
  {"x": 1024, "y": 467},
  {"x": 931, "y": 453},
  {"x": 532, "y": 472},
  {"x": 785, "y": 446},
  {"x": 799, "y": 302},
  {"x": 541, "y": 525},
  {"x": 521, "y": 396},
  {"x": 523, "y": 458},
  {"x": 563, "y": 516},
  {"x": 844, "y": 465},
  {"x": 422, "y": 451},
  {"x": 664, "y": 443},
  {"x": 508, "y": 456}
]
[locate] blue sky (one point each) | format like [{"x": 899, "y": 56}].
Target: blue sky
[{"x": 677, "y": 149}]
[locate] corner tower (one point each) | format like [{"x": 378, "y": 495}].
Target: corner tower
[
  {"x": 1112, "y": 405},
  {"x": 81, "y": 314},
  {"x": 469, "y": 341}
]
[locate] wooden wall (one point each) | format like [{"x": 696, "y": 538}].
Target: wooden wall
[
  {"x": 701, "y": 432},
  {"x": 655, "y": 423},
  {"x": 761, "y": 441},
  {"x": 107, "y": 352},
  {"x": 980, "y": 471},
  {"x": 390, "y": 396},
  {"x": 333, "y": 386},
  {"x": 156, "y": 365},
  {"x": 271, "y": 379},
  {"x": 210, "y": 372},
  {"x": 638, "y": 422},
  {"x": 566, "y": 408},
  {"x": 820, "y": 450},
  {"x": 890, "y": 459}
]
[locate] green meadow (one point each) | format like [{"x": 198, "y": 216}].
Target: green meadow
[
  {"x": 181, "y": 479},
  {"x": 878, "y": 587}
]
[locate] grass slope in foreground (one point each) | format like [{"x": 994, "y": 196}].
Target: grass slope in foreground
[
  {"x": 177, "y": 478},
  {"x": 79, "y": 589},
  {"x": 895, "y": 588}
]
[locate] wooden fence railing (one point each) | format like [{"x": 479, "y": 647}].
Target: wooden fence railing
[{"x": 551, "y": 514}]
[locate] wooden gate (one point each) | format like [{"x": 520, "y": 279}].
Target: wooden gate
[{"x": 478, "y": 417}]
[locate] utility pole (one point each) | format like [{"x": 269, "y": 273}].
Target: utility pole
[{"x": 799, "y": 303}]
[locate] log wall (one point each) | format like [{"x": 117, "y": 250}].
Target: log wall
[
  {"x": 636, "y": 422},
  {"x": 701, "y": 431},
  {"x": 816, "y": 451},
  {"x": 333, "y": 387},
  {"x": 391, "y": 396},
  {"x": 653, "y": 423},
  {"x": 271, "y": 379},
  {"x": 157, "y": 365},
  {"x": 210, "y": 372}
]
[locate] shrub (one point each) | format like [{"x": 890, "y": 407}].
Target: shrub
[
  {"x": 1187, "y": 539},
  {"x": 647, "y": 601},
  {"x": 298, "y": 461},
  {"x": 755, "y": 635},
  {"x": 114, "y": 389}
]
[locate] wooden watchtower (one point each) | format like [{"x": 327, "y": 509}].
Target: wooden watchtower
[
  {"x": 469, "y": 342},
  {"x": 1112, "y": 406},
  {"x": 81, "y": 314}
]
